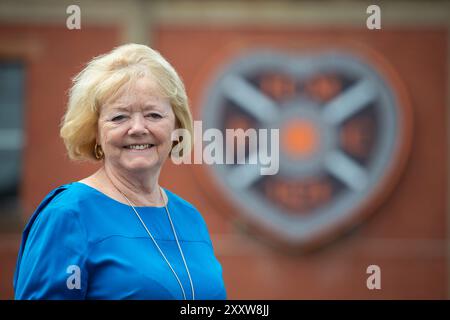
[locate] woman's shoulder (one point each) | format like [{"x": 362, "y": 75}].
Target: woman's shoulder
[
  {"x": 66, "y": 196},
  {"x": 52, "y": 218},
  {"x": 184, "y": 207},
  {"x": 57, "y": 204},
  {"x": 188, "y": 215},
  {"x": 178, "y": 201},
  {"x": 66, "y": 202}
]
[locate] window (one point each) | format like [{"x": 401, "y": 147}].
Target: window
[{"x": 12, "y": 79}]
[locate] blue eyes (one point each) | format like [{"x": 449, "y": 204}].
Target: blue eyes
[{"x": 152, "y": 115}]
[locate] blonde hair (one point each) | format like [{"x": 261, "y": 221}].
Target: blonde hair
[{"x": 102, "y": 78}]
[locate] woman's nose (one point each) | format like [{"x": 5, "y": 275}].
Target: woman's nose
[{"x": 138, "y": 125}]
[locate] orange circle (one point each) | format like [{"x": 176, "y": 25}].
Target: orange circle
[{"x": 300, "y": 138}]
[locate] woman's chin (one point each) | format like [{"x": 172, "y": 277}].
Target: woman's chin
[{"x": 140, "y": 164}]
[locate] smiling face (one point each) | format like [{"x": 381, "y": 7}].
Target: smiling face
[{"x": 135, "y": 127}]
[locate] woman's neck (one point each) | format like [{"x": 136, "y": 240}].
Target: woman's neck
[{"x": 140, "y": 190}]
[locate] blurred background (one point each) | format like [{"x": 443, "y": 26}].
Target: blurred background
[{"x": 362, "y": 114}]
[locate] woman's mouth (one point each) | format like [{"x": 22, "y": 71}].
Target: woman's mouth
[{"x": 139, "y": 147}]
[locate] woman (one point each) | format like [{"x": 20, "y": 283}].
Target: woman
[{"x": 117, "y": 234}]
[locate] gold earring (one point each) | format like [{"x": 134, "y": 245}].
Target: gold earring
[{"x": 98, "y": 152}]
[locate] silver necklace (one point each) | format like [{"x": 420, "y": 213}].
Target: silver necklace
[{"x": 159, "y": 249}]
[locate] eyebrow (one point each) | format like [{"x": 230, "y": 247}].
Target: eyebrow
[
  {"x": 118, "y": 108},
  {"x": 145, "y": 107}
]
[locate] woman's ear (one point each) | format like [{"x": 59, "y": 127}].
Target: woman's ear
[{"x": 97, "y": 132}]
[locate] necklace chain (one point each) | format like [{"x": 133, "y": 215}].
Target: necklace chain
[{"x": 159, "y": 249}]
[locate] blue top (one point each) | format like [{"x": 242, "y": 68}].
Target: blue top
[{"x": 82, "y": 244}]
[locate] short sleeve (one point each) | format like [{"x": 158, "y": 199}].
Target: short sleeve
[{"x": 52, "y": 258}]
